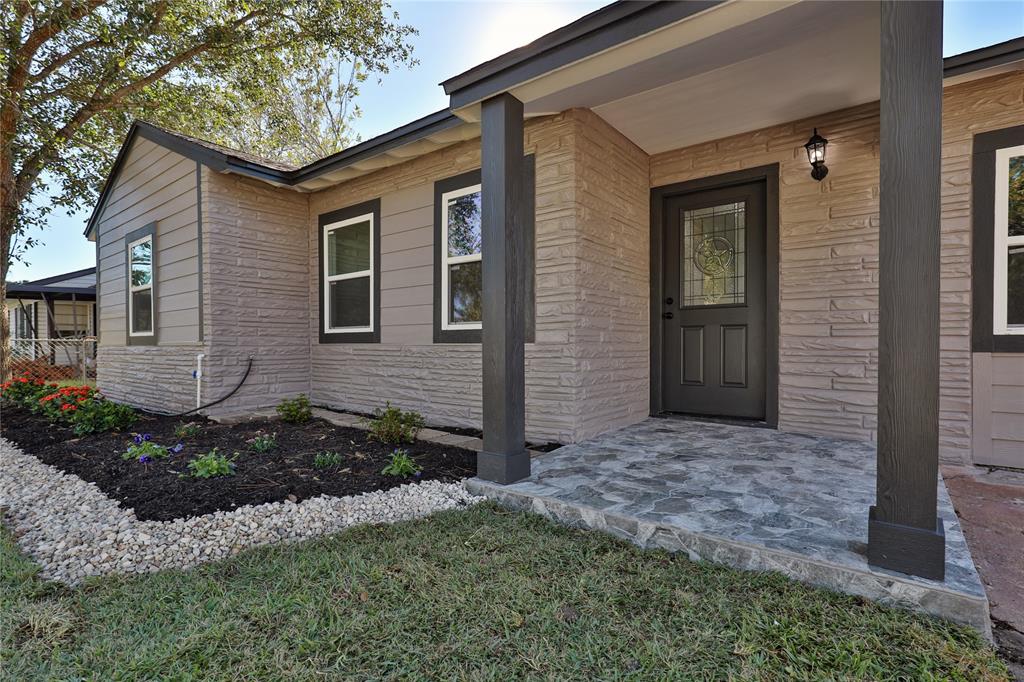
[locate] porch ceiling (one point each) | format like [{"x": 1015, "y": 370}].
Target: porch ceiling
[{"x": 782, "y": 62}]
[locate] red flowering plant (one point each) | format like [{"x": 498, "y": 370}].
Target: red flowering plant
[
  {"x": 24, "y": 391},
  {"x": 85, "y": 409}
]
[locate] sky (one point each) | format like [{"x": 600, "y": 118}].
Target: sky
[{"x": 454, "y": 36}]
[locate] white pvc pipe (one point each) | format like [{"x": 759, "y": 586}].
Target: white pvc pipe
[{"x": 199, "y": 379}]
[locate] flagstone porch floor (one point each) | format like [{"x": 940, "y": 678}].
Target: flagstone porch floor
[{"x": 748, "y": 497}]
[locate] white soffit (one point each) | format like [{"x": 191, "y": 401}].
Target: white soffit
[
  {"x": 393, "y": 156},
  {"x": 800, "y": 60}
]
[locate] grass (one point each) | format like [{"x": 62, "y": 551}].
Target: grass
[{"x": 480, "y": 594}]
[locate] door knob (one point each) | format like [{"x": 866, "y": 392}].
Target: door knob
[
  {"x": 669, "y": 301},
  {"x": 667, "y": 316}
]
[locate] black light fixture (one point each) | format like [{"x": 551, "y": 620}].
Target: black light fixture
[{"x": 816, "y": 155}]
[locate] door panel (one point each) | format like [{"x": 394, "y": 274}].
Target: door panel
[{"x": 714, "y": 269}]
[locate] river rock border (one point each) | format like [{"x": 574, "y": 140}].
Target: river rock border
[{"x": 73, "y": 530}]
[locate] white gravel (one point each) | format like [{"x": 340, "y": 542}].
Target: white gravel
[{"x": 73, "y": 530}]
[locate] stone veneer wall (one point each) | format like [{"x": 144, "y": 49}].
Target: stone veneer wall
[
  {"x": 968, "y": 109},
  {"x": 256, "y": 270},
  {"x": 589, "y": 231},
  {"x": 157, "y": 378},
  {"x": 829, "y": 257},
  {"x": 828, "y": 262}
]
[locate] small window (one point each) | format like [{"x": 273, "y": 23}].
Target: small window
[
  {"x": 461, "y": 271},
  {"x": 348, "y": 275},
  {"x": 140, "y": 287},
  {"x": 1008, "y": 256}
]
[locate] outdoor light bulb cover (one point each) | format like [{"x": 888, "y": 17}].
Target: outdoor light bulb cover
[{"x": 816, "y": 155}]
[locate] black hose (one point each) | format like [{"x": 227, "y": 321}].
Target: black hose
[{"x": 215, "y": 402}]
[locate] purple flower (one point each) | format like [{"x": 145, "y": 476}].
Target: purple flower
[
  {"x": 177, "y": 448},
  {"x": 145, "y": 459},
  {"x": 137, "y": 439},
  {"x": 146, "y": 437},
  {"x": 418, "y": 474}
]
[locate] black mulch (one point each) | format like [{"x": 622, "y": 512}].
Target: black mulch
[{"x": 159, "y": 491}]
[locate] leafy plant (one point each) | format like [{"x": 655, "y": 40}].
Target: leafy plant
[
  {"x": 98, "y": 415},
  {"x": 295, "y": 410},
  {"x": 187, "y": 430},
  {"x": 401, "y": 465},
  {"x": 211, "y": 465},
  {"x": 326, "y": 459},
  {"x": 24, "y": 392},
  {"x": 262, "y": 442},
  {"x": 395, "y": 426},
  {"x": 145, "y": 450}
]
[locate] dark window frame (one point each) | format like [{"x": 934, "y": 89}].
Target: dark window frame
[
  {"x": 460, "y": 181},
  {"x": 134, "y": 236},
  {"x": 367, "y": 207},
  {"x": 983, "y": 191}
]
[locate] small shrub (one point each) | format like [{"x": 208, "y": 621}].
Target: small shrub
[
  {"x": 145, "y": 450},
  {"x": 98, "y": 415},
  {"x": 326, "y": 459},
  {"x": 211, "y": 465},
  {"x": 263, "y": 442},
  {"x": 187, "y": 430},
  {"x": 395, "y": 426},
  {"x": 295, "y": 410},
  {"x": 24, "y": 392},
  {"x": 401, "y": 465}
]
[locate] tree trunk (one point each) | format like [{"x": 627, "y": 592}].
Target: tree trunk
[{"x": 8, "y": 211}]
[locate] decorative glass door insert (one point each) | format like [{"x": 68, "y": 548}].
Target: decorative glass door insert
[{"x": 713, "y": 257}]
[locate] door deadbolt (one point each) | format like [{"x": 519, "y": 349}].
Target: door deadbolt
[{"x": 669, "y": 301}]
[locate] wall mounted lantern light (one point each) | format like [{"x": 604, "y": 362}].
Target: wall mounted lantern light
[{"x": 816, "y": 155}]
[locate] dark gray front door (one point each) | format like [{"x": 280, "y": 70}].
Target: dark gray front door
[{"x": 714, "y": 305}]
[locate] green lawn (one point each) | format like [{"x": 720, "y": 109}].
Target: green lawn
[{"x": 480, "y": 594}]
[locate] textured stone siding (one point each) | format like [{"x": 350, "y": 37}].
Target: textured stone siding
[
  {"x": 255, "y": 295},
  {"x": 828, "y": 262},
  {"x": 829, "y": 257},
  {"x": 587, "y": 371},
  {"x": 612, "y": 316},
  {"x": 969, "y": 109},
  {"x": 157, "y": 378}
]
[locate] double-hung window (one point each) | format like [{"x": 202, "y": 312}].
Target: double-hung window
[
  {"x": 1008, "y": 242},
  {"x": 349, "y": 274},
  {"x": 140, "y": 287},
  {"x": 461, "y": 269}
]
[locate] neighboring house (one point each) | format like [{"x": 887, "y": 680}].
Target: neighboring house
[
  {"x": 652, "y": 241},
  {"x": 55, "y": 307}
]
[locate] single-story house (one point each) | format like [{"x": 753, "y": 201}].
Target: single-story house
[
  {"x": 795, "y": 213},
  {"x": 62, "y": 306}
]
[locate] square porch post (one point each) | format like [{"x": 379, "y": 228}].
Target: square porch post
[
  {"x": 904, "y": 531},
  {"x": 504, "y": 203}
]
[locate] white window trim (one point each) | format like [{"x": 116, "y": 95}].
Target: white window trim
[
  {"x": 132, "y": 289},
  {"x": 331, "y": 227},
  {"x": 1002, "y": 242},
  {"x": 447, "y": 260}
]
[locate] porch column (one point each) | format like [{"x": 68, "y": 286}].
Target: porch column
[
  {"x": 904, "y": 532},
  {"x": 504, "y": 458}
]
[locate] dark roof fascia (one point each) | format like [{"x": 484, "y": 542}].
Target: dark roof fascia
[
  {"x": 56, "y": 278},
  {"x": 988, "y": 57},
  {"x": 410, "y": 132},
  {"x": 221, "y": 161},
  {"x": 28, "y": 291},
  {"x": 596, "y": 32}
]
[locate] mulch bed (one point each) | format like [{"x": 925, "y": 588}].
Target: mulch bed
[{"x": 158, "y": 491}]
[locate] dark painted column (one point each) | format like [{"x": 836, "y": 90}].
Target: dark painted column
[
  {"x": 904, "y": 533},
  {"x": 504, "y": 202}
]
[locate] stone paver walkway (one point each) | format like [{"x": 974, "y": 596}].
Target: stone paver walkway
[{"x": 752, "y": 498}]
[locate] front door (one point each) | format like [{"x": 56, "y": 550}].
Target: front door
[{"x": 714, "y": 303}]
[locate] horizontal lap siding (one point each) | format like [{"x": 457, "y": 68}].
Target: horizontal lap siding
[
  {"x": 256, "y": 272},
  {"x": 154, "y": 185}
]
